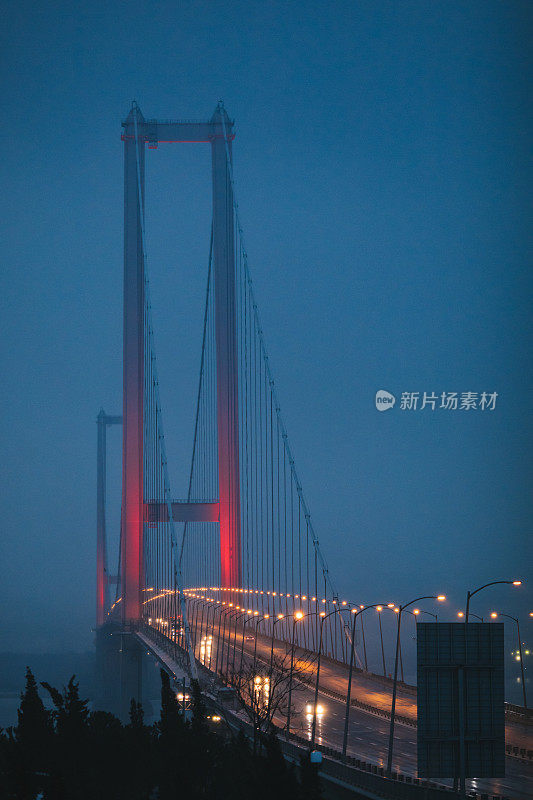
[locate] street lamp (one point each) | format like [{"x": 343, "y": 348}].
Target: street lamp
[
  {"x": 439, "y": 597},
  {"x": 298, "y": 615},
  {"x": 492, "y": 583},
  {"x": 519, "y": 650},
  {"x": 215, "y": 606},
  {"x": 279, "y": 618},
  {"x": 323, "y": 618},
  {"x": 250, "y": 613},
  {"x": 379, "y": 609},
  {"x": 223, "y": 614},
  {"x": 356, "y": 612},
  {"x": 461, "y": 614},
  {"x": 243, "y": 615},
  {"x": 260, "y": 619},
  {"x": 417, "y": 611}
]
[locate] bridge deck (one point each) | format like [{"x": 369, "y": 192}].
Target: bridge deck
[{"x": 368, "y": 731}]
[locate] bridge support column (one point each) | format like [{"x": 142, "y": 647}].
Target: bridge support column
[
  {"x": 101, "y": 565},
  {"x": 119, "y": 669},
  {"x": 133, "y": 375},
  {"x": 102, "y": 575},
  {"x": 226, "y": 347}
]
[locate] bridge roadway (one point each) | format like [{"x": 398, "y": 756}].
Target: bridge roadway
[{"x": 368, "y": 732}]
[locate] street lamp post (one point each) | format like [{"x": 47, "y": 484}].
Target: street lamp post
[
  {"x": 439, "y": 597},
  {"x": 379, "y": 609},
  {"x": 223, "y": 614},
  {"x": 501, "y": 614},
  {"x": 297, "y": 616},
  {"x": 253, "y": 614},
  {"x": 279, "y": 618},
  {"x": 238, "y": 614},
  {"x": 243, "y": 615},
  {"x": 470, "y": 594},
  {"x": 356, "y": 612},
  {"x": 261, "y": 619},
  {"x": 215, "y": 607},
  {"x": 470, "y": 614},
  {"x": 415, "y": 614},
  {"x": 323, "y": 618}
]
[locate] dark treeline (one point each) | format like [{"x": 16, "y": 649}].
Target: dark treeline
[{"x": 72, "y": 753}]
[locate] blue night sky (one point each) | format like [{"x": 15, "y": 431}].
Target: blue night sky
[{"x": 383, "y": 173}]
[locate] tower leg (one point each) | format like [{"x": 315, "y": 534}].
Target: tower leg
[
  {"x": 133, "y": 376},
  {"x": 101, "y": 567},
  {"x": 227, "y": 366},
  {"x": 119, "y": 662}
]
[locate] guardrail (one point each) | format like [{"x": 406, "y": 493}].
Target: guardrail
[{"x": 351, "y": 771}]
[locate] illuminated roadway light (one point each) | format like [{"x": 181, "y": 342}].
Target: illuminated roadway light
[
  {"x": 379, "y": 608},
  {"x": 416, "y": 611},
  {"x": 299, "y": 615},
  {"x": 493, "y": 615},
  {"x": 460, "y": 614},
  {"x": 390, "y": 605},
  {"x": 517, "y": 583},
  {"x": 397, "y": 610},
  {"x": 441, "y": 597}
]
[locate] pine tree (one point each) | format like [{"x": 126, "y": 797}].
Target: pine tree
[
  {"x": 31, "y": 740},
  {"x": 34, "y": 724},
  {"x": 172, "y": 767},
  {"x": 71, "y": 770}
]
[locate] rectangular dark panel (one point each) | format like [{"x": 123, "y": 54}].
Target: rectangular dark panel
[{"x": 460, "y": 678}]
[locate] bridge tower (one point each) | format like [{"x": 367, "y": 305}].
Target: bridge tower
[
  {"x": 217, "y": 132},
  {"x": 137, "y": 132},
  {"x": 226, "y": 351}
]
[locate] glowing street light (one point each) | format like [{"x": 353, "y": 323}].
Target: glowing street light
[
  {"x": 520, "y": 656},
  {"x": 399, "y": 609},
  {"x": 298, "y": 615},
  {"x": 323, "y": 618},
  {"x": 356, "y": 612},
  {"x": 470, "y": 594},
  {"x": 461, "y": 614}
]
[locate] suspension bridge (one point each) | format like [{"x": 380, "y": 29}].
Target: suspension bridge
[{"x": 230, "y": 580}]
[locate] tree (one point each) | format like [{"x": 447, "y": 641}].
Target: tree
[
  {"x": 70, "y": 769},
  {"x": 27, "y": 747},
  {"x": 263, "y": 692},
  {"x": 171, "y": 729}
]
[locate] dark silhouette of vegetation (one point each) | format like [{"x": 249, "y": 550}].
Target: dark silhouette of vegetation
[
  {"x": 73, "y": 753},
  {"x": 263, "y": 692}
]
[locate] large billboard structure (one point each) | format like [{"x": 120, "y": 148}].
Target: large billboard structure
[{"x": 461, "y": 723}]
